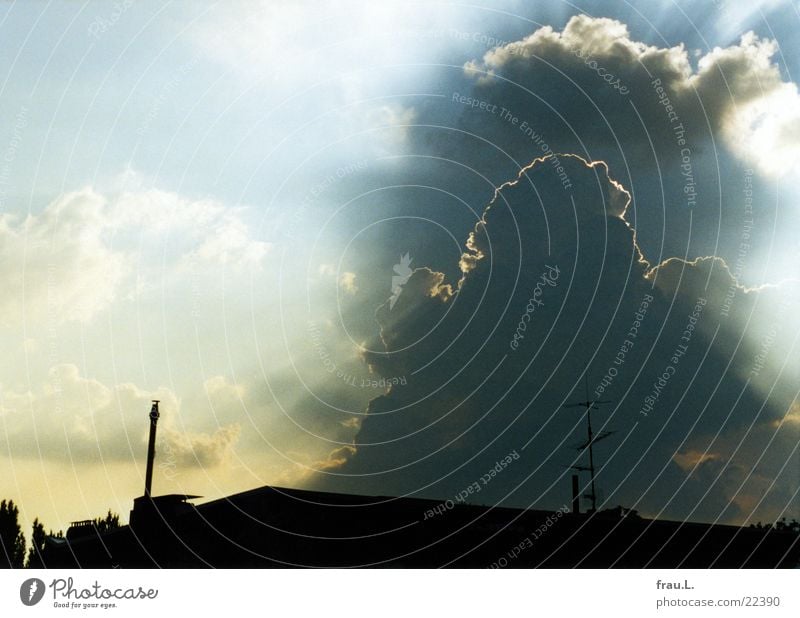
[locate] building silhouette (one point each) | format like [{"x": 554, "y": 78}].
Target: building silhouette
[{"x": 282, "y": 527}]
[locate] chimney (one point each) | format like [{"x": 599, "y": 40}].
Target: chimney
[
  {"x": 576, "y": 498},
  {"x": 151, "y": 449}
]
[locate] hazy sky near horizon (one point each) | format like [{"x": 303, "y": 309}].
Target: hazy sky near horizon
[{"x": 208, "y": 204}]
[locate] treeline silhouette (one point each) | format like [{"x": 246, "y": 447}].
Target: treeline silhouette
[
  {"x": 13, "y": 543},
  {"x": 782, "y": 525}
]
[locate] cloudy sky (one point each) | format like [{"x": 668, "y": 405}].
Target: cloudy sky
[{"x": 376, "y": 247}]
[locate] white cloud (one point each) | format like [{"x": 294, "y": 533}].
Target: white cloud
[
  {"x": 601, "y": 38},
  {"x": 739, "y": 88},
  {"x": 82, "y": 420},
  {"x": 71, "y": 261},
  {"x": 230, "y": 245},
  {"x": 200, "y": 449},
  {"x": 393, "y": 121},
  {"x": 347, "y": 281},
  {"x": 759, "y": 112},
  {"x": 220, "y": 386},
  {"x": 58, "y": 265}
]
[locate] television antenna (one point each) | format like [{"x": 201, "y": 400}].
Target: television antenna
[{"x": 590, "y": 404}]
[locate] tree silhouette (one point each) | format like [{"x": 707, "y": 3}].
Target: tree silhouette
[
  {"x": 791, "y": 526},
  {"x": 37, "y": 555},
  {"x": 12, "y": 541},
  {"x": 108, "y": 523},
  {"x": 36, "y": 552}
]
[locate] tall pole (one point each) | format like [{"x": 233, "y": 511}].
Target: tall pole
[
  {"x": 151, "y": 448},
  {"x": 591, "y": 452},
  {"x": 576, "y": 495},
  {"x": 590, "y": 405}
]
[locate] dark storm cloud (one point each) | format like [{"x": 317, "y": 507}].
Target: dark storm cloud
[
  {"x": 609, "y": 264},
  {"x": 679, "y": 130},
  {"x": 553, "y": 280}
]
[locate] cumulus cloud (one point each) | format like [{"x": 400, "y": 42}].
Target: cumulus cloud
[
  {"x": 200, "y": 450},
  {"x": 758, "y": 112},
  {"x": 689, "y": 135},
  {"x": 392, "y": 120},
  {"x": 738, "y": 89},
  {"x": 76, "y": 257},
  {"x": 792, "y": 416},
  {"x": 59, "y": 265},
  {"x": 205, "y": 231},
  {"x": 552, "y": 281},
  {"x": 336, "y": 458},
  {"x": 347, "y": 281},
  {"x": 692, "y": 459},
  {"x": 220, "y": 387},
  {"x": 72, "y": 418}
]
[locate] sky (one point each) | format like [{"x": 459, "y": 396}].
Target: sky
[{"x": 377, "y": 247}]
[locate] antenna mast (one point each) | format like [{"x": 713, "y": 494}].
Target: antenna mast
[{"x": 590, "y": 405}]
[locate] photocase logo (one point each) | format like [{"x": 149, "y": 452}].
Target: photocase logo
[
  {"x": 403, "y": 274},
  {"x": 31, "y": 591}
]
